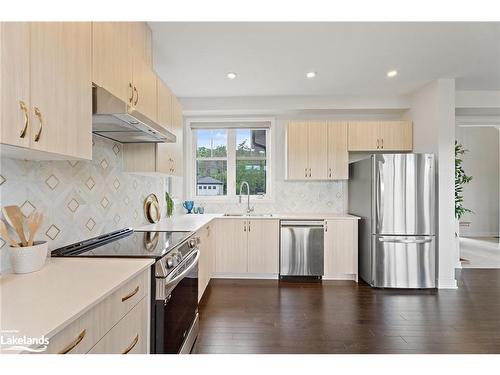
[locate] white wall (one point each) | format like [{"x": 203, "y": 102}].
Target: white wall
[
  {"x": 433, "y": 114},
  {"x": 482, "y": 194}
]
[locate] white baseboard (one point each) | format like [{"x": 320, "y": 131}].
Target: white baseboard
[
  {"x": 264, "y": 276},
  {"x": 447, "y": 284}
]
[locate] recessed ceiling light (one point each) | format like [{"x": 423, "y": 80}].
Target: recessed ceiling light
[
  {"x": 311, "y": 74},
  {"x": 392, "y": 73},
  {"x": 231, "y": 75}
]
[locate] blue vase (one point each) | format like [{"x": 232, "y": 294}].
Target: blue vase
[{"x": 188, "y": 205}]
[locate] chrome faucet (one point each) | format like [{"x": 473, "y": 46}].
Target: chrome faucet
[{"x": 249, "y": 209}]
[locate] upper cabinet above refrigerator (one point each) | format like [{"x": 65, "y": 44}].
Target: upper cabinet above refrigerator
[{"x": 380, "y": 136}]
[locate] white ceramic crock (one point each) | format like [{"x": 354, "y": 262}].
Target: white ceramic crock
[{"x": 28, "y": 259}]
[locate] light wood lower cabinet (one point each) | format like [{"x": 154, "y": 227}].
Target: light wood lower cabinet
[
  {"x": 206, "y": 263},
  {"x": 112, "y": 325},
  {"x": 247, "y": 246},
  {"x": 341, "y": 249}
]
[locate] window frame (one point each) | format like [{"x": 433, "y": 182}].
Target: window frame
[{"x": 230, "y": 125}]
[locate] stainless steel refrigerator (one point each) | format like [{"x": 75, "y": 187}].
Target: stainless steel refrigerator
[{"x": 394, "y": 196}]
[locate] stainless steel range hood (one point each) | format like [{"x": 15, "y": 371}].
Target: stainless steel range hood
[{"x": 114, "y": 119}]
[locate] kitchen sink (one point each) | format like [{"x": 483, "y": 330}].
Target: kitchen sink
[{"x": 247, "y": 215}]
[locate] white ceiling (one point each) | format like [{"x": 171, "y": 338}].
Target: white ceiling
[{"x": 271, "y": 59}]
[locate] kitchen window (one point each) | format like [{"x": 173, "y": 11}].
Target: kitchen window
[{"x": 227, "y": 153}]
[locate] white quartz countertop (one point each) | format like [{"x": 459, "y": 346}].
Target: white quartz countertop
[
  {"x": 193, "y": 222},
  {"x": 44, "y": 302}
]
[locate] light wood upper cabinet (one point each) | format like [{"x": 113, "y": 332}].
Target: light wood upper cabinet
[
  {"x": 363, "y": 135},
  {"x": 15, "y": 84},
  {"x": 164, "y": 95},
  {"x": 317, "y": 150},
  {"x": 317, "y": 146},
  {"x": 112, "y": 59},
  {"x": 396, "y": 136},
  {"x": 341, "y": 249},
  {"x": 60, "y": 88},
  {"x": 178, "y": 130},
  {"x": 380, "y": 136},
  {"x": 263, "y": 246},
  {"x": 297, "y": 146},
  {"x": 338, "y": 156},
  {"x": 144, "y": 81},
  {"x": 231, "y": 246}
]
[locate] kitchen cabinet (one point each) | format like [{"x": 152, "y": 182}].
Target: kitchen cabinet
[
  {"x": 263, "y": 246},
  {"x": 121, "y": 63},
  {"x": 178, "y": 129},
  {"x": 231, "y": 246},
  {"x": 206, "y": 263},
  {"x": 15, "y": 84},
  {"x": 247, "y": 246},
  {"x": 317, "y": 150},
  {"x": 53, "y": 95},
  {"x": 341, "y": 249},
  {"x": 380, "y": 136},
  {"x": 165, "y": 112},
  {"x": 111, "y": 326},
  {"x": 338, "y": 156}
]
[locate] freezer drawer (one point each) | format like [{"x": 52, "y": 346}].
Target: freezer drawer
[
  {"x": 302, "y": 248},
  {"x": 404, "y": 261}
]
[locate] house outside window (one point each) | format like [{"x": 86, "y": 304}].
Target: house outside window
[{"x": 226, "y": 153}]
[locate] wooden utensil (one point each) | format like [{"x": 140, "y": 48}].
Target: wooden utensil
[
  {"x": 5, "y": 234},
  {"x": 15, "y": 218},
  {"x": 34, "y": 222}
]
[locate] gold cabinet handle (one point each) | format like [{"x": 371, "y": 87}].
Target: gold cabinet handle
[
  {"x": 249, "y": 227},
  {"x": 74, "y": 343},
  {"x": 382, "y": 143},
  {"x": 136, "y": 95},
  {"x": 132, "y": 344},
  {"x": 378, "y": 143},
  {"x": 330, "y": 172},
  {"x": 131, "y": 99},
  {"x": 309, "y": 172},
  {"x": 244, "y": 226},
  {"x": 131, "y": 294},
  {"x": 38, "y": 114},
  {"x": 326, "y": 226},
  {"x": 23, "y": 107},
  {"x": 305, "y": 171}
]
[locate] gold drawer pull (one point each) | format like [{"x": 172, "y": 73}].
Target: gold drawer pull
[
  {"x": 40, "y": 120},
  {"x": 132, "y": 345},
  {"x": 130, "y": 295},
  {"x": 74, "y": 343},
  {"x": 23, "y": 107}
]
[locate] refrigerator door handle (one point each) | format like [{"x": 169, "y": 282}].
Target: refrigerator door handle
[
  {"x": 379, "y": 216},
  {"x": 406, "y": 240}
]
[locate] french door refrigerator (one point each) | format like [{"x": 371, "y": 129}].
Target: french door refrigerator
[{"x": 394, "y": 194}]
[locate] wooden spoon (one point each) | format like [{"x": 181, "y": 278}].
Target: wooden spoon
[
  {"x": 15, "y": 218},
  {"x": 34, "y": 222},
  {"x": 5, "y": 234}
]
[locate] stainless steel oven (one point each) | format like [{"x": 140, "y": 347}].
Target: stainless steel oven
[{"x": 176, "y": 302}]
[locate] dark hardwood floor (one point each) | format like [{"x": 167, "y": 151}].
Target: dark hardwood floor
[{"x": 266, "y": 316}]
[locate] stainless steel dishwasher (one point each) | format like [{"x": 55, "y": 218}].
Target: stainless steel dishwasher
[{"x": 302, "y": 248}]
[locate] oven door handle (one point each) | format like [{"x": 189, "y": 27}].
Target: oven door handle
[{"x": 176, "y": 279}]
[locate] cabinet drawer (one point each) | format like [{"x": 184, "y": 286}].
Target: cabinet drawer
[
  {"x": 129, "y": 336},
  {"x": 86, "y": 331}
]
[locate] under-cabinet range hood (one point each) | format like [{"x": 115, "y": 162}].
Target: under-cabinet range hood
[{"x": 114, "y": 119}]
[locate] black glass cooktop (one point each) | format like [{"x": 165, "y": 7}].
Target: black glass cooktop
[{"x": 125, "y": 244}]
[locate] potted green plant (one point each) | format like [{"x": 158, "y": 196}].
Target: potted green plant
[
  {"x": 461, "y": 179},
  {"x": 170, "y": 204}
]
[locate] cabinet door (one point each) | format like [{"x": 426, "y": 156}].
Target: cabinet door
[
  {"x": 177, "y": 147},
  {"x": 203, "y": 263},
  {"x": 144, "y": 81},
  {"x": 165, "y": 116},
  {"x": 341, "y": 248},
  {"x": 263, "y": 246},
  {"x": 317, "y": 150},
  {"x": 112, "y": 58},
  {"x": 363, "y": 135},
  {"x": 396, "y": 136},
  {"x": 231, "y": 248},
  {"x": 338, "y": 157},
  {"x": 297, "y": 163},
  {"x": 14, "y": 83},
  {"x": 60, "y": 88}
]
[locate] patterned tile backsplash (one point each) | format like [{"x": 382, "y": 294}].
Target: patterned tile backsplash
[{"x": 79, "y": 199}]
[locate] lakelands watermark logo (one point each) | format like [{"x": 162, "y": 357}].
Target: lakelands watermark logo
[{"x": 10, "y": 340}]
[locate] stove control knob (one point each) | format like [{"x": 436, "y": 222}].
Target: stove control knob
[
  {"x": 193, "y": 242},
  {"x": 170, "y": 262}
]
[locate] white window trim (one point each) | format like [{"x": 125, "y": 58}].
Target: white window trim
[{"x": 190, "y": 158}]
